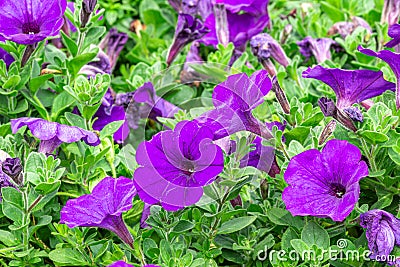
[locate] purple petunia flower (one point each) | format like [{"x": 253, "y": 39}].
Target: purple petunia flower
[
  {"x": 234, "y": 101},
  {"x": 188, "y": 29},
  {"x": 176, "y": 164},
  {"x": 264, "y": 46},
  {"x": 53, "y": 134},
  {"x": 112, "y": 44},
  {"x": 392, "y": 59},
  {"x": 13, "y": 168},
  {"x": 28, "y": 22},
  {"x": 346, "y": 28},
  {"x": 351, "y": 86},
  {"x": 394, "y": 32},
  {"x": 324, "y": 184},
  {"x": 102, "y": 208},
  {"x": 244, "y": 20},
  {"x": 382, "y": 232},
  {"x": 319, "y": 47},
  {"x": 390, "y": 12}
]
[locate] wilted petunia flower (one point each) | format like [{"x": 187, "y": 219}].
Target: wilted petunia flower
[
  {"x": 13, "y": 168},
  {"x": 176, "y": 164},
  {"x": 188, "y": 29},
  {"x": 234, "y": 100},
  {"x": 102, "y": 208},
  {"x": 392, "y": 59},
  {"x": 390, "y": 12},
  {"x": 112, "y": 44},
  {"x": 28, "y": 22},
  {"x": 351, "y": 86},
  {"x": 324, "y": 184},
  {"x": 319, "y": 47},
  {"x": 345, "y": 28},
  {"x": 87, "y": 9},
  {"x": 394, "y": 32},
  {"x": 53, "y": 134},
  {"x": 382, "y": 232},
  {"x": 264, "y": 46}
]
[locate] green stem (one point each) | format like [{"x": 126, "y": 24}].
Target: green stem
[
  {"x": 81, "y": 40},
  {"x": 25, "y": 220}
]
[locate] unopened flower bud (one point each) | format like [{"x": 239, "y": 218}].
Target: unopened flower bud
[
  {"x": 87, "y": 10},
  {"x": 328, "y": 130},
  {"x": 280, "y": 95},
  {"x": 13, "y": 168}
]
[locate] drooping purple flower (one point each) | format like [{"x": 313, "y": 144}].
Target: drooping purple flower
[
  {"x": 351, "y": 86},
  {"x": 102, "y": 208},
  {"x": 109, "y": 112},
  {"x": 390, "y": 12},
  {"x": 28, "y": 22},
  {"x": 6, "y": 57},
  {"x": 13, "y": 168},
  {"x": 264, "y": 46},
  {"x": 244, "y": 18},
  {"x": 392, "y": 59},
  {"x": 188, "y": 29},
  {"x": 382, "y": 232},
  {"x": 53, "y": 134},
  {"x": 176, "y": 164},
  {"x": 345, "y": 28},
  {"x": 234, "y": 100},
  {"x": 86, "y": 11},
  {"x": 319, "y": 48},
  {"x": 154, "y": 106},
  {"x": 112, "y": 44},
  {"x": 326, "y": 183},
  {"x": 394, "y": 32}
]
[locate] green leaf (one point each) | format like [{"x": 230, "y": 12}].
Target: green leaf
[
  {"x": 74, "y": 65},
  {"x": 35, "y": 83},
  {"x": 61, "y": 102},
  {"x": 75, "y": 120},
  {"x": 283, "y": 217},
  {"x": 110, "y": 128},
  {"x": 313, "y": 234},
  {"x": 47, "y": 188},
  {"x": 383, "y": 202},
  {"x": 69, "y": 44},
  {"x": 68, "y": 257},
  {"x": 299, "y": 133},
  {"x": 12, "y": 82},
  {"x": 13, "y": 205},
  {"x": 236, "y": 224},
  {"x": 183, "y": 226},
  {"x": 333, "y": 13},
  {"x": 8, "y": 239},
  {"x": 374, "y": 137},
  {"x": 299, "y": 245}
]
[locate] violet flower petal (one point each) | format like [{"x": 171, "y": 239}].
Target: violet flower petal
[
  {"x": 319, "y": 47},
  {"x": 324, "y": 184},
  {"x": 28, "y": 22},
  {"x": 103, "y": 207},
  {"x": 392, "y": 59},
  {"x": 351, "y": 86},
  {"x": 382, "y": 232},
  {"x": 176, "y": 164}
]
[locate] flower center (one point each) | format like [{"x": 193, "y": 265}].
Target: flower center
[
  {"x": 337, "y": 190},
  {"x": 30, "y": 28}
]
